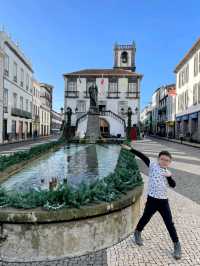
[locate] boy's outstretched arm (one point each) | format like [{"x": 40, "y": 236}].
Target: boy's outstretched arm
[
  {"x": 141, "y": 155},
  {"x": 170, "y": 180}
]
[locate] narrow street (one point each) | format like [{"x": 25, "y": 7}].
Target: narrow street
[{"x": 23, "y": 146}]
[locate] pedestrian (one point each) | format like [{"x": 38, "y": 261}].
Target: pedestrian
[
  {"x": 159, "y": 179},
  {"x": 181, "y": 137}
]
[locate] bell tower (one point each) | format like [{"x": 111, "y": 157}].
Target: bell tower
[{"x": 124, "y": 56}]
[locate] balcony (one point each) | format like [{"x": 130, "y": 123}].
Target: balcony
[
  {"x": 132, "y": 94},
  {"x": 71, "y": 94},
  {"x": 21, "y": 113},
  {"x": 113, "y": 94}
]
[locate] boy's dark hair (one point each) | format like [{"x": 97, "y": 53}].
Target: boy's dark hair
[{"x": 166, "y": 153}]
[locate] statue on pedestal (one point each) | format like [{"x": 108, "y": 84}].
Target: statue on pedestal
[
  {"x": 69, "y": 115},
  {"x": 93, "y": 127},
  {"x": 93, "y": 92}
]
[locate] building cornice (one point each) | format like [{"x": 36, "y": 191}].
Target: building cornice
[
  {"x": 103, "y": 73},
  {"x": 188, "y": 55},
  {"x": 19, "y": 56}
]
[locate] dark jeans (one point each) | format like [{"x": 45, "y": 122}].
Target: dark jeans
[{"x": 161, "y": 205}]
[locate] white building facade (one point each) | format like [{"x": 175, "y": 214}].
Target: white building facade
[
  {"x": 188, "y": 95},
  {"x": 118, "y": 89},
  {"x": 166, "y": 100},
  {"x": 36, "y": 108},
  {"x": 1, "y": 94},
  {"x": 56, "y": 122},
  {"x": 17, "y": 92},
  {"x": 46, "y": 91}
]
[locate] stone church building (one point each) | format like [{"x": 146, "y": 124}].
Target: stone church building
[{"x": 118, "y": 89}]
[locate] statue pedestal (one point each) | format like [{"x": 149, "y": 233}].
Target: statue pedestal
[{"x": 93, "y": 127}]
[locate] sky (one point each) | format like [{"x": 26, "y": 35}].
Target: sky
[{"x": 69, "y": 35}]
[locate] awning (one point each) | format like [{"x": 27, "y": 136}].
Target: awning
[
  {"x": 185, "y": 117},
  {"x": 194, "y": 115},
  {"x": 179, "y": 118}
]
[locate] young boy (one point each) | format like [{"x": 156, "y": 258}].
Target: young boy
[{"x": 157, "y": 200}]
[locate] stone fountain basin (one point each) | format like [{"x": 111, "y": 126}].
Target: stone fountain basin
[{"x": 40, "y": 235}]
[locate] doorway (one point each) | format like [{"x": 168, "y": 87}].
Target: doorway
[
  {"x": 104, "y": 128},
  {"x": 5, "y": 129},
  {"x": 102, "y": 108}
]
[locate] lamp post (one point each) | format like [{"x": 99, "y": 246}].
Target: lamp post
[{"x": 129, "y": 113}]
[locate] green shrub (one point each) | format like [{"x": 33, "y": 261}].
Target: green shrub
[{"x": 82, "y": 141}]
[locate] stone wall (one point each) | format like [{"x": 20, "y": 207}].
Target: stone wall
[{"x": 44, "y": 236}]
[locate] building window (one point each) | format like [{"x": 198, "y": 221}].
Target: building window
[
  {"x": 31, "y": 106},
  {"x": 15, "y": 100},
  {"x": 187, "y": 72},
  {"x": 31, "y": 88},
  {"x": 113, "y": 87},
  {"x": 132, "y": 87},
  {"x": 179, "y": 79},
  {"x": 22, "y": 77},
  {"x": 195, "y": 64},
  {"x": 5, "y": 100},
  {"x": 199, "y": 92},
  {"x": 6, "y": 65},
  {"x": 13, "y": 126},
  {"x": 81, "y": 105},
  {"x": 27, "y": 105},
  {"x": 15, "y": 71},
  {"x": 195, "y": 94},
  {"x": 72, "y": 88},
  {"x": 27, "y": 81},
  {"x": 186, "y": 99},
  {"x": 199, "y": 62},
  {"x": 21, "y": 102}
]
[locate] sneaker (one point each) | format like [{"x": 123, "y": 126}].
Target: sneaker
[
  {"x": 138, "y": 238},
  {"x": 177, "y": 250}
]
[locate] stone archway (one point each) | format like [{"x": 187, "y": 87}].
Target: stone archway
[{"x": 104, "y": 128}]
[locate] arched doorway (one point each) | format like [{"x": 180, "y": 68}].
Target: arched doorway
[{"x": 104, "y": 128}]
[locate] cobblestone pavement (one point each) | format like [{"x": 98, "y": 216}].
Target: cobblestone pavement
[
  {"x": 95, "y": 259},
  {"x": 158, "y": 248}
]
